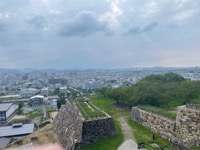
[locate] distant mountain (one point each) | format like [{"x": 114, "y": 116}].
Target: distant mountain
[
  {"x": 9, "y": 71},
  {"x": 26, "y": 70}
]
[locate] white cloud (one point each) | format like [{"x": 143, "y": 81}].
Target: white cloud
[
  {"x": 4, "y": 15},
  {"x": 181, "y": 3},
  {"x": 149, "y": 9},
  {"x": 111, "y": 17},
  {"x": 183, "y": 15}
]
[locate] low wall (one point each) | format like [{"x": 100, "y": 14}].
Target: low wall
[
  {"x": 183, "y": 132},
  {"x": 73, "y": 131},
  {"x": 158, "y": 124}
]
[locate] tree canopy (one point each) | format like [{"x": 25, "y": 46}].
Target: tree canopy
[{"x": 168, "y": 90}]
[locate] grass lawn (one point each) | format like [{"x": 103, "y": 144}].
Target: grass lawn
[
  {"x": 90, "y": 113},
  {"x": 167, "y": 113},
  {"x": 110, "y": 143},
  {"x": 32, "y": 115},
  {"x": 140, "y": 133},
  {"x": 195, "y": 148}
]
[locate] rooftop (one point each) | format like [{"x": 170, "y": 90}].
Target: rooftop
[
  {"x": 9, "y": 131},
  {"x": 37, "y": 96},
  {"x": 5, "y": 106}
]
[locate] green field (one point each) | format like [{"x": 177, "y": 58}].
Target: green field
[
  {"x": 167, "y": 113},
  {"x": 140, "y": 133},
  {"x": 87, "y": 110}
]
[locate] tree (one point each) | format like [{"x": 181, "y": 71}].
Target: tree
[
  {"x": 61, "y": 101},
  {"x": 56, "y": 91},
  {"x": 20, "y": 106}
]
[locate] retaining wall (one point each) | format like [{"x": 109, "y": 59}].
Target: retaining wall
[
  {"x": 183, "y": 132},
  {"x": 73, "y": 131}
]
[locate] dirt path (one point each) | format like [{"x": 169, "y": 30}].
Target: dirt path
[
  {"x": 126, "y": 129},
  {"x": 129, "y": 141}
]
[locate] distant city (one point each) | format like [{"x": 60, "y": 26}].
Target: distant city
[{"x": 28, "y": 82}]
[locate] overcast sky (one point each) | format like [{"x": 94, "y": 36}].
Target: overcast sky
[{"x": 99, "y": 33}]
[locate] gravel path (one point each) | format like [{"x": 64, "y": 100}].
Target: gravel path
[{"x": 129, "y": 143}]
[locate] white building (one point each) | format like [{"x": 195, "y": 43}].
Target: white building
[
  {"x": 63, "y": 90},
  {"x": 36, "y": 100},
  {"x": 26, "y": 93},
  {"x": 45, "y": 91},
  {"x": 7, "y": 110}
]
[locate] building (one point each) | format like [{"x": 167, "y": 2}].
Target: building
[
  {"x": 7, "y": 110},
  {"x": 57, "y": 80},
  {"x": 17, "y": 129},
  {"x": 27, "y": 93},
  {"x": 36, "y": 100},
  {"x": 45, "y": 91},
  {"x": 92, "y": 85},
  {"x": 63, "y": 90}
]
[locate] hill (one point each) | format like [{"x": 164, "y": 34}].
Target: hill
[{"x": 168, "y": 90}]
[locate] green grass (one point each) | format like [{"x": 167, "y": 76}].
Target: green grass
[
  {"x": 143, "y": 134},
  {"x": 110, "y": 143},
  {"x": 90, "y": 113},
  {"x": 195, "y": 148},
  {"x": 105, "y": 104},
  {"x": 140, "y": 133},
  {"x": 32, "y": 115},
  {"x": 167, "y": 113}
]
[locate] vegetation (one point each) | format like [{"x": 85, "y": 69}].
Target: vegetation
[
  {"x": 61, "y": 101},
  {"x": 166, "y": 91},
  {"x": 87, "y": 110},
  {"x": 171, "y": 113},
  {"x": 33, "y": 114},
  {"x": 144, "y": 135},
  {"x": 112, "y": 143}
]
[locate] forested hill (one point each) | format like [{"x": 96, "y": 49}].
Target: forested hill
[{"x": 168, "y": 90}]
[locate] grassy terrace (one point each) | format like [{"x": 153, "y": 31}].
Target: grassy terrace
[
  {"x": 167, "y": 113},
  {"x": 140, "y": 133},
  {"x": 87, "y": 110}
]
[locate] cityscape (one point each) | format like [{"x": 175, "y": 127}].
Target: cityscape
[{"x": 99, "y": 75}]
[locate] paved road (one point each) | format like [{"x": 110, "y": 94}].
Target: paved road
[{"x": 129, "y": 143}]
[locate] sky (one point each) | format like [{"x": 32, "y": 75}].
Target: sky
[{"x": 64, "y": 34}]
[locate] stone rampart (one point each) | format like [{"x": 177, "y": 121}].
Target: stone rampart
[
  {"x": 68, "y": 126},
  {"x": 188, "y": 127},
  {"x": 73, "y": 131},
  {"x": 183, "y": 132},
  {"x": 94, "y": 130}
]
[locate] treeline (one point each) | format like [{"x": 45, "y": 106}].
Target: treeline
[{"x": 168, "y": 90}]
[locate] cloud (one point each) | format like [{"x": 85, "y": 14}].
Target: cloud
[
  {"x": 4, "y": 15},
  {"x": 181, "y": 3},
  {"x": 150, "y": 8},
  {"x": 137, "y": 30},
  {"x": 4, "y": 21},
  {"x": 83, "y": 24},
  {"x": 183, "y": 15},
  {"x": 38, "y": 21},
  {"x": 111, "y": 17}
]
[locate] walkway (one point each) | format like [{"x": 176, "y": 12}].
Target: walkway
[{"x": 129, "y": 143}]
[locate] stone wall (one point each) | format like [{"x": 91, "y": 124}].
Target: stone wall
[
  {"x": 159, "y": 124},
  {"x": 94, "y": 130},
  {"x": 184, "y": 131},
  {"x": 68, "y": 126},
  {"x": 188, "y": 127},
  {"x": 73, "y": 131}
]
